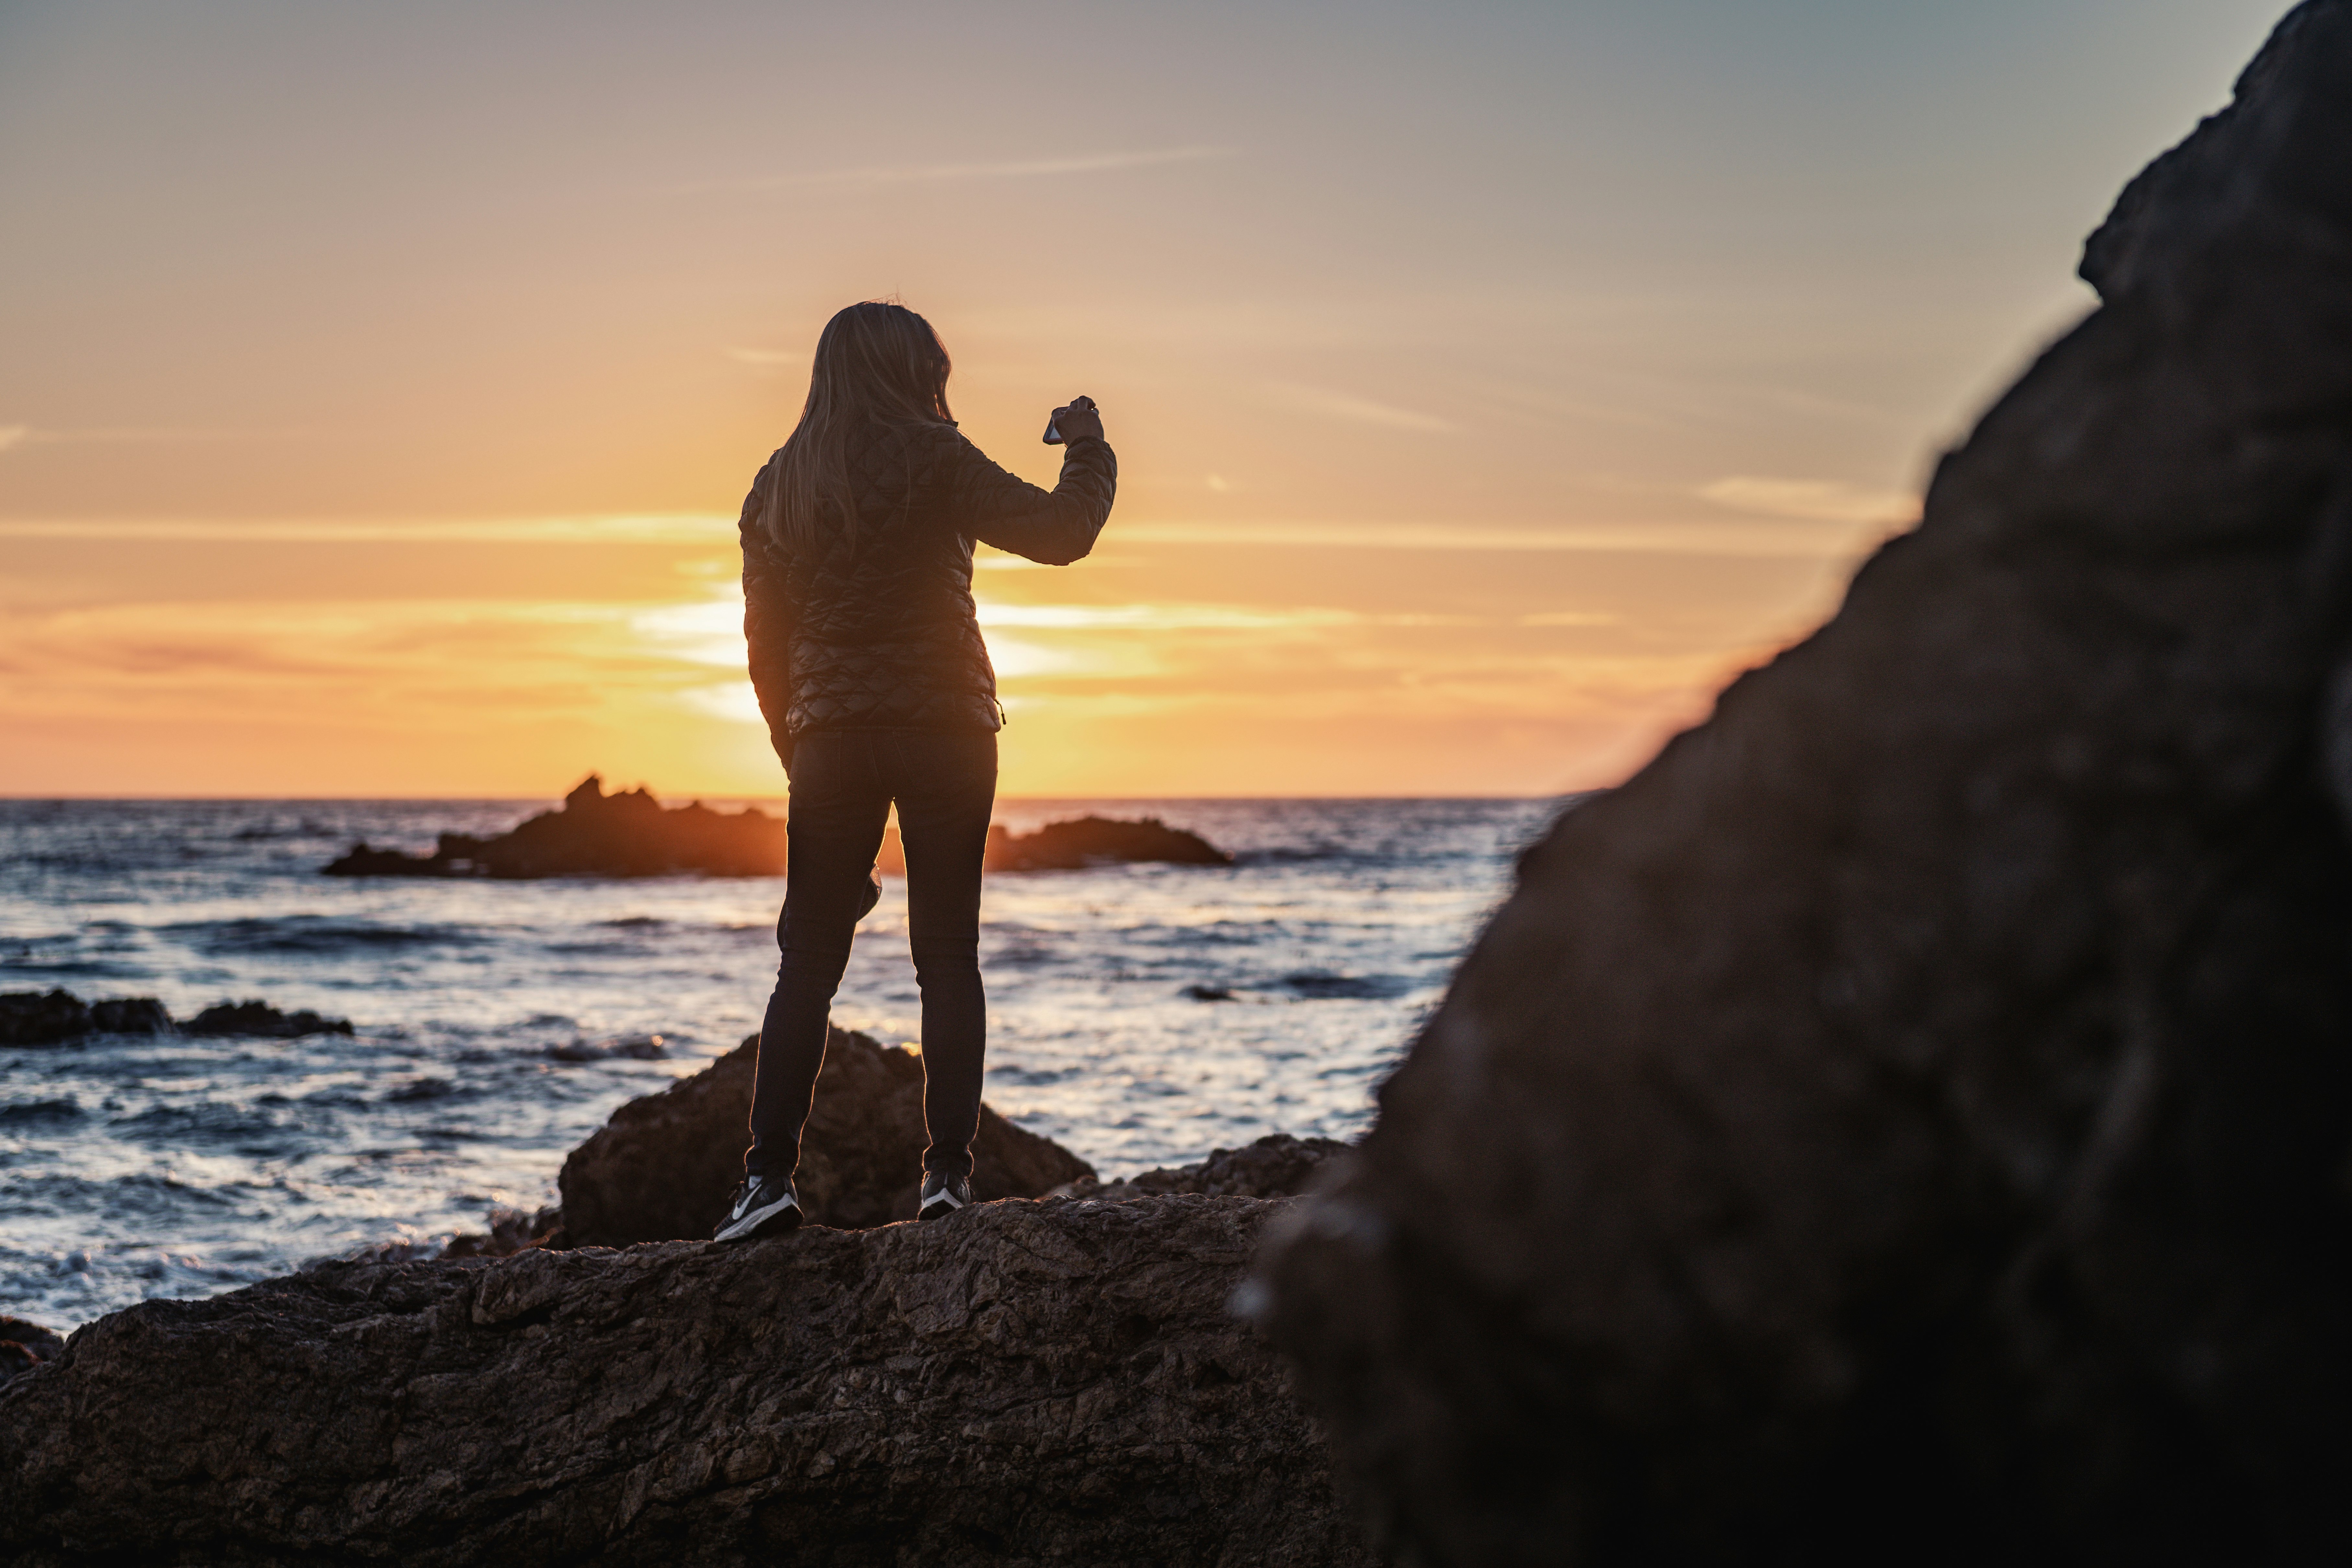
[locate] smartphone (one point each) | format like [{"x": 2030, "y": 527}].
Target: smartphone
[{"x": 1053, "y": 430}]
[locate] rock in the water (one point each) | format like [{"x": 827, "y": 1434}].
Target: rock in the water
[
  {"x": 600, "y": 834},
  {"x": 39, "y": 1018},
  {"x": 1023, "y": 1383},
  {"x": 1276, "y": 1166},
  {"x": 43, "y": 1019},
  {"x": 662, "y": 1169},
  {"x": 1096, "y": 840},
  {"x": 259, "y": 1020},
  {"x": 1911, "y": 1121},
  {"x": 1077, "y": 844}
]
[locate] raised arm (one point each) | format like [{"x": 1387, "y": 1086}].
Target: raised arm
[
  {"x": 767, "y": 617},
  {"x": 1056, "y": 526}
]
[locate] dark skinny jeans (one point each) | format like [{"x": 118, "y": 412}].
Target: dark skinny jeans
[{"x": 843, "y": 784}]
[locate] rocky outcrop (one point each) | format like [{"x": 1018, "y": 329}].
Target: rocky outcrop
[
  {"x": 34, "y": 1018},
  {"x": 630, "y": 835},
  {"x": 1024, "y": 1382},
  {"x": 664, "y": 1166},
  {"x": 599, "y": 834},
  {"x": 1275, "y": 1166},
  {"x": 1911, "y": 1121},
  {"x": 1097, "y": 840},
  {"x": 43, "y": 1019},
  {"x": 259, "y": 1020}
]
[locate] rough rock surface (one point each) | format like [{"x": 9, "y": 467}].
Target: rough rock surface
[
  {"x": 1026, "y": 1382},
  {"x": 663, "y": 1167},
  {"x": 1275, "y": 1166},
  {"x": 595, "y": 834},
  {"x": 43, "y": 1019},
  {"x": 1911, "y": 1121}
]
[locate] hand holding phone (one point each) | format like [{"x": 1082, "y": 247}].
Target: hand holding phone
[{"x": 1075, "y": 420}]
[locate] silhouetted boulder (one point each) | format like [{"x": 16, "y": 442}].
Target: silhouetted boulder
[
  {"x": 1096, "y": 840},
  {"x": 595, "y": 834},
  {"x": 1023, "y": 1383},
  {"x": 1911, "y": 1121},
  {"x": 38, "y": 1018},
  {"x": 41, "y": 1019},
  {"x": 1276, "y": 1166},
  {"x": 259, "y": 1020},
  {"x": 664, "y": 1166}
]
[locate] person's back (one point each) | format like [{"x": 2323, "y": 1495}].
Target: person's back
[
  {"x": 867, "y": 657},
  {"x": 871, "y": 622}
]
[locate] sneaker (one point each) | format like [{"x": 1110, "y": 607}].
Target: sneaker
[
  {"x": 764, "y": 1205},
  {"x": 942, "y": 1195}
]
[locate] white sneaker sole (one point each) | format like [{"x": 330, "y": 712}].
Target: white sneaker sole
[{"x": 775, "y": 1218}]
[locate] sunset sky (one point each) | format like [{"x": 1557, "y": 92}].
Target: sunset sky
[{"x": 1489, "y": 381}]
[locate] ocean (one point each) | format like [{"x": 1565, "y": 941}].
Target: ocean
[{"x": 1142, "y": 1015}]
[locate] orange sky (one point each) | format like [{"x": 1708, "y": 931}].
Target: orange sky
[{"x": 383, "y": 381}]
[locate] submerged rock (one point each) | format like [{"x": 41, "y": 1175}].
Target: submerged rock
[
  {"x": 1911, "y": 1121},
  {"x": 259, "y": 1020},
  {"x": 595, "y": 834},
  {"x": 1276, "y": 1166},
  {"x": 42, "y": 1018},
  {"x": 1023, "y": 1383},
  {"x": 663, "y": 1167}
]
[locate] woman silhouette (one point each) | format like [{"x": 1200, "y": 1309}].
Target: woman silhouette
[{"x": 867, "y": 658}]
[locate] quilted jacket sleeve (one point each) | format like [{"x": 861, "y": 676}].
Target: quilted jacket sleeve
[
  {"x": 1056, "y": 526},
  {"x": 767, "y": 617}
]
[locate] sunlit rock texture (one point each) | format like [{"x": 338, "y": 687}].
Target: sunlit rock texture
[
  {"x": 1911, "y": 1121},
  {"x": 1056, "y": 1382}
]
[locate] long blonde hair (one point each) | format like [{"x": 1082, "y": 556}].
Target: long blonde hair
[{"x": 875, "y": 363}]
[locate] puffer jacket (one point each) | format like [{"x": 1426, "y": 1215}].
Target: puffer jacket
[{"x": 877, "y": 628}]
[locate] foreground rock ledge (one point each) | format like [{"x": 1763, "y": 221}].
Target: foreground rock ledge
[{"x": 1041, "y": 1383}]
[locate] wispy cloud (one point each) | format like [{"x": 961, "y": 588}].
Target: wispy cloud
[
  {"x": 1031, "y": 168},
  {"x": 1361, "y": 410},
  {"x": 1828, "y": 501},
  {"x": 11, "y": 434}
]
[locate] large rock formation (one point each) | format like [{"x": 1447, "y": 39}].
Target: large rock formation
[
  {"x": 1024, "y": 1382},
  {"x": 1909, "y": 1121},
  {"x": 595, "y": 834},
  {"x": 663, "y": 1167}
]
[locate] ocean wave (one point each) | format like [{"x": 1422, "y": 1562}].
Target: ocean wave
[{"x": 317, "y": 935}]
